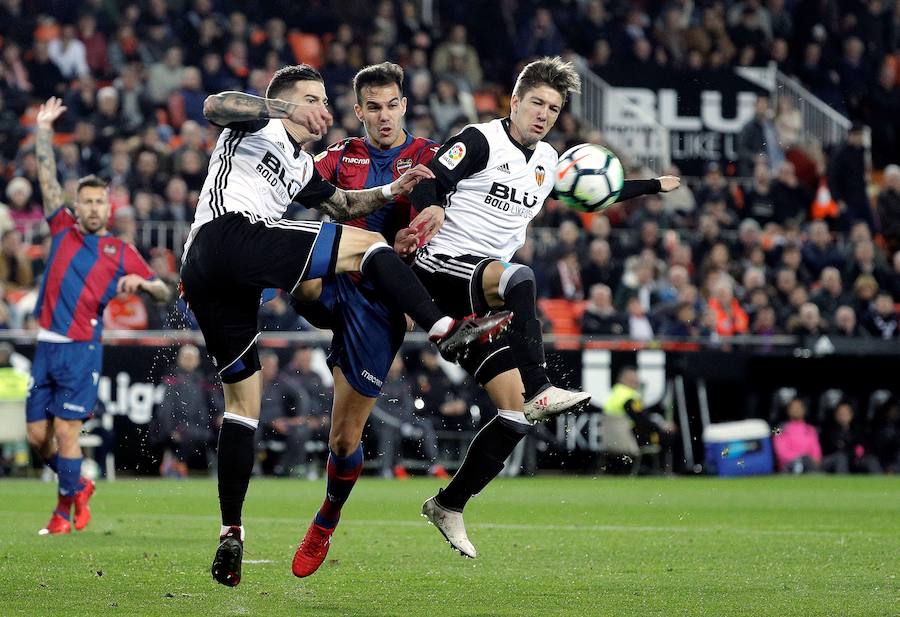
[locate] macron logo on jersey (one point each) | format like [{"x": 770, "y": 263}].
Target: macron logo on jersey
[
  {"x": 452, "y": 157},
  {"x": 354, "y": 160}
]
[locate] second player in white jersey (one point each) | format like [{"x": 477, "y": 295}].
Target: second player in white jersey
[{"x": 502, "y": 186}]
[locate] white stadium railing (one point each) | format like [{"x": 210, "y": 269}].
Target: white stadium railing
[
  {"x": 640, "y": 140},
  {"x": 821, "y": 122}
]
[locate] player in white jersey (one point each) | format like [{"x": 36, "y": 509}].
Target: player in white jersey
[
  {"x": 490, "y": 181},
  {"x": 240, "y": 245}
]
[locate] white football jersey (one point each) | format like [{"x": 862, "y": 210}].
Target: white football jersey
[
  {"x": 489, "y": 210},
  {"x": 259, "y": 172}
]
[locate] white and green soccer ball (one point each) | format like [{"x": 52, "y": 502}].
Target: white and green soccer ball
[{"x": 589, "y": 178}]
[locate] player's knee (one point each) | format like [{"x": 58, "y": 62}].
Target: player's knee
[
  {"x": 344, "y": 443},
  {"x": 515, "y": 275},
  {"x": 36, "y": 435}
]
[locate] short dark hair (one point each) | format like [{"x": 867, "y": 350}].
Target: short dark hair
[
  {"x": 383, "y": 74},
  {"x": 554, "y": 72},
  {"x": 286, "y": 77},
  {"x": 91, "y": 181}
]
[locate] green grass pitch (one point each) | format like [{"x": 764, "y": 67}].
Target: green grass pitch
[{"x": 548, "y": 546}]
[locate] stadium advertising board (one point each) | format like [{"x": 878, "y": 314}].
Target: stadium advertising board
[{"x": 703, "y": 111}]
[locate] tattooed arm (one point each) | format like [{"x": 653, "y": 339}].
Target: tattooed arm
[
  {"x": 50, "y": 188},
  {"x": 228, "y": 108},
  {"x": 342, "y": 205},
  {"x": 348, "y": 205}
]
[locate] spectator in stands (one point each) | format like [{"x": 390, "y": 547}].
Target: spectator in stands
[
  {"x": 819, "y": 251},
  {"x": 864, "y": 262},
  {"x": 283, "y": 416},
  {"x": 855, "y": 75},
  {"x": 183, "y": 420},
  {"x": 788, "y": 122},
  {"x": 846, "y": 324},
  {"x": 442, "y": 400},
  {"x": 758, "y": 138},
  {"x": 796, "y": 442},
  {"x": 45, "y": 77},
  {"x": 844, "y": 445},
  {"x": 639, "y": 326},
  {"x": 895, "y": 277},
  {"x": 564, "y": 281},
  {"x": 679, "y": 204},
  {"x": 11, "y": 131},
  {"x": 400, "y": 420},
  {"x": 790, "y": 198},
  {"x": 15, "y": 265},
  {"x": 847, "y": 179},
  {"x": 865, "y": 288},
  {"x": 68, "y": 53},
  {"x": 684, "y": 323},
  {"x": 300, "y": 373},
  {"x": 457, "y": 51},
  {"x": 831, "y": 292},
  {"x": 710, "y": 234},
  {"x": 600, "y": 316},
  {"x": 164, "y": 77},
  {"x": 540, "y": 37},
  {"x": 186, "y": 103},
  {"x": 730, "y": 318},
  {"x": 600, "y": 266},
  {"x": 22, "y": 208},
  {"x": 889, "y": 208},
  {"x": 94, "y": 42},
  {"x": 808, "y": 322},
  {"x": 886, "y": 438},
  {"x": 883, "y": 112},
  {"x": 640, "y": 284},
  {"x": 765, "y": 322},
  {"x": 881, "y": 321}
]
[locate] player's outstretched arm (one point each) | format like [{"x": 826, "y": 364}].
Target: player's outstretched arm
[
  {"x": 229, "y": 107},
  {"x": 50, "y": 188},
  {"x": 133, "y": 283},
  {"x": 348, "y": 205},
  {"x": 636, "y": 188}
]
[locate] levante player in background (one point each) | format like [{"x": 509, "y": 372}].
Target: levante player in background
[
  {"x": 367, "y": 330},
  {"x": 86, "y": 268}
]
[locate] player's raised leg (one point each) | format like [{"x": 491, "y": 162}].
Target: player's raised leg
[
  {"x": 345, "y": 460},
  {"x": 368, "y": 253},
  {"x": 512, "y": 287}
]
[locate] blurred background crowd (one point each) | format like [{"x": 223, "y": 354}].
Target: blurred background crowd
[{"x": 754, "y": 247}]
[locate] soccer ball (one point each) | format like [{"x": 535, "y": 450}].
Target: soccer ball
[{"x": 589, "y": 178}]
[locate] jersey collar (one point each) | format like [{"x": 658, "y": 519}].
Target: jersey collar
[
  {"x": 298, "y": 147},
  {"x": 526, "y": 151},
  {"x": 378, "y": 152}
]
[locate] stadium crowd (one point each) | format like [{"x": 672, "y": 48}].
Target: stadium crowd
[{"x": 740, "y": 250}]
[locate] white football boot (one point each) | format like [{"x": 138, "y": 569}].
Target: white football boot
[
  {"x": 450, "y": 524},
  {"x": 552, "y": 401}
]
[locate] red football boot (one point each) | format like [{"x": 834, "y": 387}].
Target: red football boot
[
  {"x": 58, "y": 525},
  {"x": 312, "y": 550},
  {"x": 82, "y": 511}
]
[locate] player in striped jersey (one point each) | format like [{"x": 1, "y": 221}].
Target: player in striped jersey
[
  {"x": 86, "y": 268},
  {"x": 239, "y": 245},
  {"x": 367, "y": 331}
]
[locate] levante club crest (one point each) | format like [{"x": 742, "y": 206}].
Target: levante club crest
[
  {"x": 404, "y": 165},
  {"x": 539, "y": 174}
]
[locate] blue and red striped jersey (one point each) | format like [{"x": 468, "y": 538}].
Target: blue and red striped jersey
[
  {"x": 82, "y": 273},
  {"x": 355, "y": 164}
]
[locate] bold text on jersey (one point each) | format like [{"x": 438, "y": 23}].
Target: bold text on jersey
[
  {"x": 271, "y": 170},
  {"x": 509, "y": 199}
]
